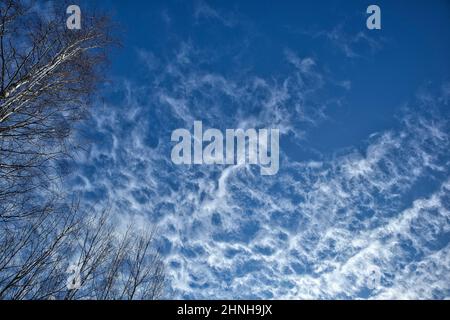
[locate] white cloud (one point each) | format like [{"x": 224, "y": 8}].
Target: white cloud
[{"x": 315, "y": 230}]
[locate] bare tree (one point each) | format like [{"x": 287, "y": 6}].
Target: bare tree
[
  {"x": 36, "y": 252},
  {"x": 48, "y": 75}
]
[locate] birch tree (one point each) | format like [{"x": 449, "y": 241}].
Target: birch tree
[
  {"x": 48, "y": 74},
  {"x": 48, "y": 77}
]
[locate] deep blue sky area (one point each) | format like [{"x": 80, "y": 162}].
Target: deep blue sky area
[
  {"x": 360, "y": 206},
  {"x": 413, "y": 49}
]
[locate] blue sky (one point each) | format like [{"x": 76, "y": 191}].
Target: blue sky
[{"x": 360, "y": 206}]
